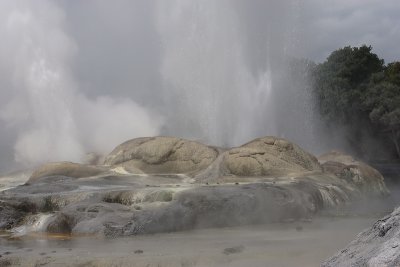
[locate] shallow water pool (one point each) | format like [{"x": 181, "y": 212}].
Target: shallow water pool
[{"x": 285, "y": 244}]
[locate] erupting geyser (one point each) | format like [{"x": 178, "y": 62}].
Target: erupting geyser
[
  {"x": 148, "y": 117},
  {"x": 216, "y": 76},
  {"x": 42, "y": 102},
  {"x": 227, "y": 72}
]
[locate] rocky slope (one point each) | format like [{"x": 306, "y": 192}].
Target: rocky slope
[{"x": 376, "y": 246}]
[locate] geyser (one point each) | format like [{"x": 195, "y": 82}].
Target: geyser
[
  {"x": 228, "y": 71},
  {"x": 43, "y": 102},
  {"x": 222, "y": 72}
]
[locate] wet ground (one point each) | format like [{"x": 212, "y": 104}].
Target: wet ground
[{"x": 286, "y": 244}]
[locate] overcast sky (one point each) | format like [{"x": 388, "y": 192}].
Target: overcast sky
[
  {"x": 162, "y": 66},
  {"x": 125, "y": 35},
  {"x": 331, "y": 24}
]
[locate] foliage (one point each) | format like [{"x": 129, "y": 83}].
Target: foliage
[
  {"x": 392, "y": 73},
  {"x": 355, "y": 89},
  {"x": 382, "y": 101},
  {"x": 341, "y": 81}
]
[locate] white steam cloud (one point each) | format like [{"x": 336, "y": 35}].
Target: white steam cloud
[
  {"x": 40, "y": 98},
  {"x": 205, "y": 72},
  {"x": 227, "y": 74},
  {"x": 83, "y": 76}
]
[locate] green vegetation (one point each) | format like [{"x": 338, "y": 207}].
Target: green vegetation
[
  {"x": 382, "y": 101},
  {"x": 356, "y": 90}
]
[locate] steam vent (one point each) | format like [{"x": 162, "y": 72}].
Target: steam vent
[{"x": 167, "y": 184}]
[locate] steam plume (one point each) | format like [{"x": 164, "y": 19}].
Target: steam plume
[
  {"x": 43, "y": 103},
  {"x": 217, "y": 71}
]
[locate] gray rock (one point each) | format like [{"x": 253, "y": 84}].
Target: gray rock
[
  {"x": 181, "y": 185},
  {"x": 219, "y": 206},
  {"x": 61, "y": 224},
  {"x": 114, "y": 206},
  {"x": 376, "y": 246},
  {"x": 233, "y": 250},
  {"x": 10, "y": 215},
  {"x": 362, "y": 176}
]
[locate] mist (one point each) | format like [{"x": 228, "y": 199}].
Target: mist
[
  {"x": 79, "y": 77},
  {"x": 53, "y": 120}
]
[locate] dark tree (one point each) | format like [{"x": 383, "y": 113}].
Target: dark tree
[
  {"x": 341, "y": 81},
  {"x": 340, "y": 84},
  {"x": 382, "y": 100}
]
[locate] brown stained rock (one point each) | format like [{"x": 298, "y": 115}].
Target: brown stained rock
[
  {"x": 69, "y": 169},
  {"x": 162, "y": 155},
  {"x": 268, "y": 156}
]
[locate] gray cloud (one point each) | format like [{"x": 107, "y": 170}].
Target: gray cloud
[
  {"x": 118, "y": 47},
  {"x": 329, "y": 25}
]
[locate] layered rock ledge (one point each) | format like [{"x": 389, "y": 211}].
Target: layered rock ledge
[{"x": 163, "y": 184}]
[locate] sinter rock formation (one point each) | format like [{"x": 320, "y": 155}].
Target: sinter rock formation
[
  {"x": 269, "y": 156},
  {"x": 367, "y": 179},
  {"x": 162, "y": 155},
  {"x": 69, "y": 169},
  {"x": 161, "y": 184}
]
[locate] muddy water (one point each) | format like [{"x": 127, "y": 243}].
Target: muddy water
[{"x": 288, "y": 244}]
